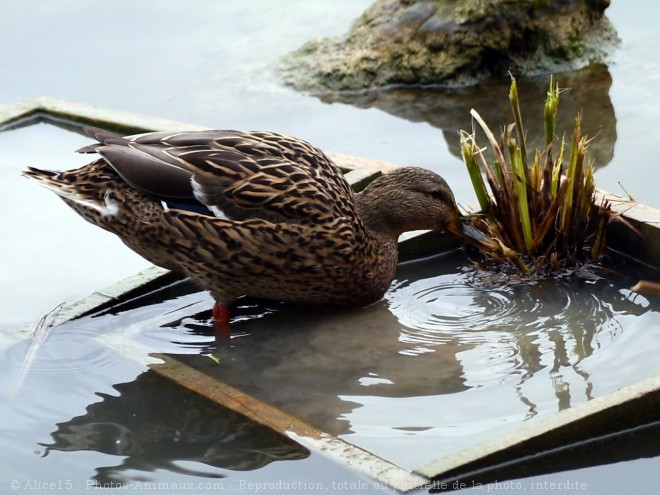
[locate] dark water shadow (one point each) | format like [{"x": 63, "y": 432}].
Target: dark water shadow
[
  {"x": 444, "y": 338},
  {"x": 641, "y": 442},
  {"x": 152, "y": 423},
  {"x": 449, "y": 109},
  {"x": 312, "y": 363}
]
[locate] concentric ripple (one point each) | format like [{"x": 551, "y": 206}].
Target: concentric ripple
[
  {"x": 447, "y": 306},
  {"x": 70, "y": 349},
  {"x": 454, "y": 306},
  {"x": 506, "y": 329}
]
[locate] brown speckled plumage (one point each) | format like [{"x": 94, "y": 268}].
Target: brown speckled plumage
[{"x": 283, "y": 222}]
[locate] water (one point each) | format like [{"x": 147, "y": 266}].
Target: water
[
  {"x": 87, "y": 417},
  {"x": 442, "y": 362},
  {"x": 445, "y": 361}
]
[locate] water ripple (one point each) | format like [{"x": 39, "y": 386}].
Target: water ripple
[
  {"x": 456, "y": 306},
  {"x": 70, "y": 349},
  {"x": 509, "y": 331}
]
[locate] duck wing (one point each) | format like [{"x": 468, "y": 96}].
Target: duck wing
[{"x": 235, "y": 174}]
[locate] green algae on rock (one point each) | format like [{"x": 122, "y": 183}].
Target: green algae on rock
[{"x": 453, "y": 43}]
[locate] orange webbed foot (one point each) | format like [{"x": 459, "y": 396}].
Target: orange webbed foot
[{"x": 221, "y": 324}]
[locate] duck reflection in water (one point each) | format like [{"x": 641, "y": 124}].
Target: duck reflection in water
[
  {"x": 437, "y": 333},
  {"x": 436, "y": 361},
  {"x": 153, "y": 423}
]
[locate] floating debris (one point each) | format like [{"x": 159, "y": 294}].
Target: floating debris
[{"x": 41, "y": 333}]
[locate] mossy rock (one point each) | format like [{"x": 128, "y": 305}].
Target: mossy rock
[{"x": 454, "y": 43}]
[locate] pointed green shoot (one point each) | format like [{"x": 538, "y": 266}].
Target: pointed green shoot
[
  {"x": 550, "y": 111},
  {"x": 520, "y": 189},
  {"x": 557, "y": 169},
  {"x": 517, "y": 118},
  {"x": 469, "y": 152},
  {"x": 571, "y": 174}
]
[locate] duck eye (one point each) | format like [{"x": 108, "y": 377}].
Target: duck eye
[{"x": 438, "y": 194}]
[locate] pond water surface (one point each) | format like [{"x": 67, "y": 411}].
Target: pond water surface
[{"x": 445, "y": 361}]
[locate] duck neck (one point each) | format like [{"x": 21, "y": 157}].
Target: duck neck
[{"x": 377, "y": 218}]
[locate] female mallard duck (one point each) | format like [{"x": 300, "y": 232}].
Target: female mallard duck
[{"x": 252, "y": 213}]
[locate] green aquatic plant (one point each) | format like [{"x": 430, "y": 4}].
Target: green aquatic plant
[{"x": 540, "y": 209}]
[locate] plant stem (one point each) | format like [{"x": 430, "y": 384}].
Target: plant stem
[
  {"x": 550, "y": 112},
  {"x": 469, "y": 152},
  {"x": 517, "y": 118},
  {"x": 520, "y": 190}
]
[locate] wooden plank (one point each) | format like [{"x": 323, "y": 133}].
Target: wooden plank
[
  {"x": 629, "y": 407},
  {"x": 642, "y": 217},
  {"x": 93, "y": 302},
  {"x": 307, "y": 435},
  {"x": 18, "y": 112},
  {"x": 62, "y": 112}
]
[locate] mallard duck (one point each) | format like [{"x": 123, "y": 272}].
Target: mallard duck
[{"x": 252, "y": 213}]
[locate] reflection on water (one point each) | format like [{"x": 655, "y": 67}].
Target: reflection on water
[
  {"x": 449, "y": 109},
  {"x": 445, "y": 360},
  {"x": 154, "y": 424},
  {"x": 518, "y": 329}
]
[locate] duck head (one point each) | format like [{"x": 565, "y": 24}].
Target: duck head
[
  {"x": 412, "y": 198},
  {"x": 409, "y": 198}
]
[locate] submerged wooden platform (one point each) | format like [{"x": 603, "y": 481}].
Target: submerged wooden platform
[{"x": 628, "y": 408}]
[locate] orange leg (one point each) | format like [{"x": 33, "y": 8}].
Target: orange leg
[{"x": 221, "y": 322}]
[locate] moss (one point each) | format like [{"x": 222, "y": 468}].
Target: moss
[{"x": 453, "y": 41}]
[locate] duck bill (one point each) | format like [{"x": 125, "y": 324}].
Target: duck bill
[{"x": 469, "y": 234}]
